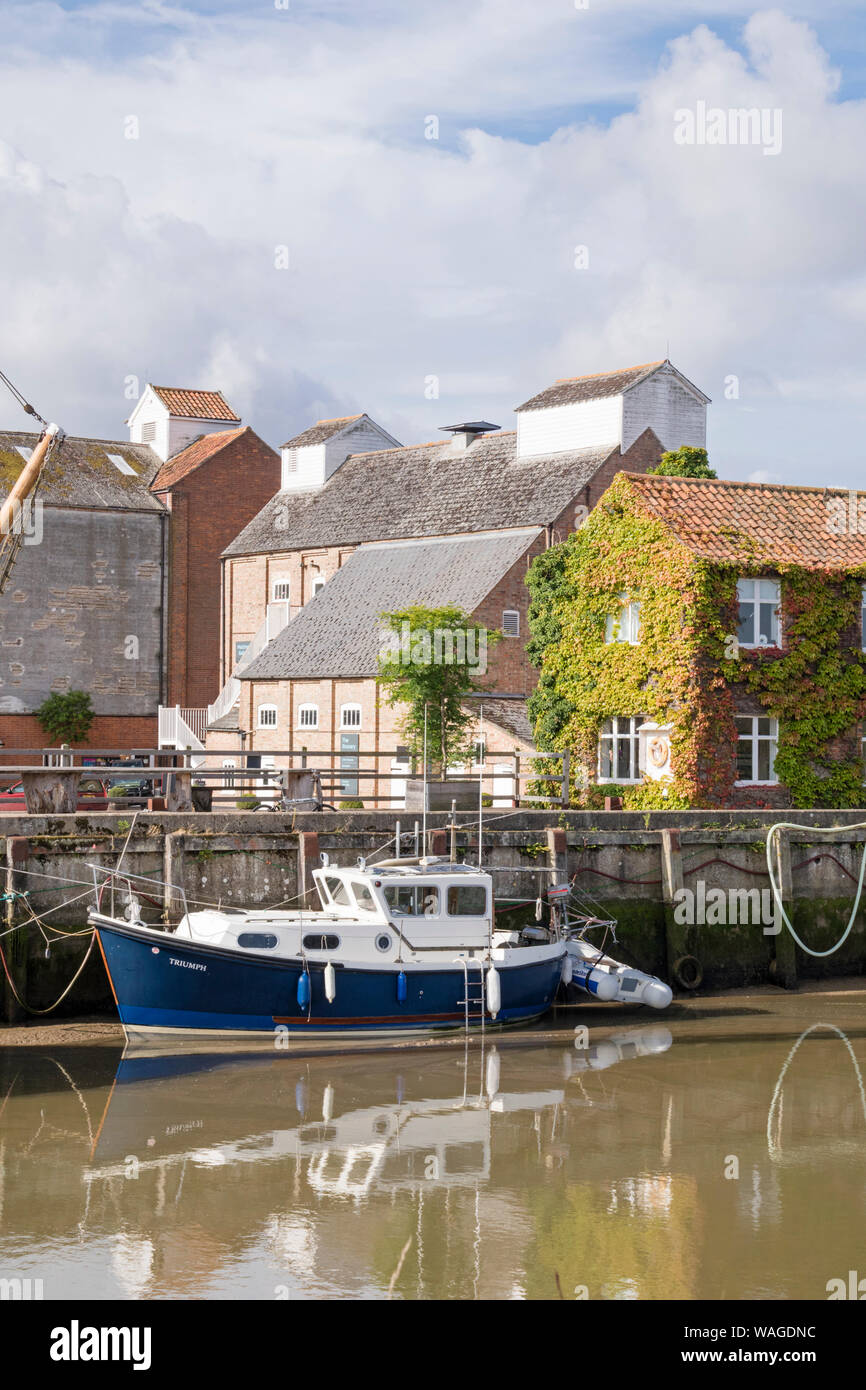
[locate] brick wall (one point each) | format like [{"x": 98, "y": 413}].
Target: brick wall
[
  {"x": 209, "y": 506},
  {"x": 107, "y": 731}
]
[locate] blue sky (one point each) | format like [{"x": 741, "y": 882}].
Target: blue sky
[{"x": 451, "y": 260}]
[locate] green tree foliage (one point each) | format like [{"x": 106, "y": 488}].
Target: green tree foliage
[
  {"x": 685, "y": 462},
  {"x": 66, "y": 718},
  {"x": 432, "y": 658}
]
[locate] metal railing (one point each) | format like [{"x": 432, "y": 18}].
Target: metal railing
[{"x": 236, "y": 774}]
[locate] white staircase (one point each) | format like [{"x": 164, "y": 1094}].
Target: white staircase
[
  {"x": 175, "y": 732},
  {"x": 276, "y": 617}
]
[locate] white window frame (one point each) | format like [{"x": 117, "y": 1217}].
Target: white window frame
[
  {"x": 229, "y": 766},
  {"x": 308, "y": 709},
  {"x": 760, "y": 593},
  {"x": 281, "y": 581},
  {"x": 624, "y": 624},
  {"x": 318, "y": 585},
  {"x": 510, "y": 613},
  {"x": 613, "y": 736},
  {"x": 350, "y": 709},
  {"x": 479, "y": 744},
  {"x": 757, "y": 739},
  {"x": 262, "y": 723},
  {"x": 121, "y": 464}
]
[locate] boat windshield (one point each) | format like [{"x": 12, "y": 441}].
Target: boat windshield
[
  {"x": 363, "y": 897},
  {"x": 338, "y": 891},
  {"x": 413, "y": 899},
  {"x": 467, "y": 900}
]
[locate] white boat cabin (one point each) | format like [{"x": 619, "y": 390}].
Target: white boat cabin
[{"x": 407, "y": 910}]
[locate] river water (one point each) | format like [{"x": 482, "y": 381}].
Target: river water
[{"x": 712, "y": 1152}]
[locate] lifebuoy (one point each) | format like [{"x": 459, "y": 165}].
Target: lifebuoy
[
  {"x": 688, "y": 972},
  {"x": 657, "y": 751}
]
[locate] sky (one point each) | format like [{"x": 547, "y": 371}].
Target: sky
[{"x": 430, "y": 212}]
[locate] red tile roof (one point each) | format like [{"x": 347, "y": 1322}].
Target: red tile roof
[
  {"x": 193, "y": 455},
  {"x": 195, "y": 405},
  {"x": 756, "y": 523}
]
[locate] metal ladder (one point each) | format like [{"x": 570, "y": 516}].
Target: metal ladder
[{"x": 474, "y": 1005}]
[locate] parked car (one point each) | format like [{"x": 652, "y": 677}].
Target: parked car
[{"x": 92, "y": 796}]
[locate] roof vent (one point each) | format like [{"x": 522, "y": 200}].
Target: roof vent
[{"x": 464, "y": 435}]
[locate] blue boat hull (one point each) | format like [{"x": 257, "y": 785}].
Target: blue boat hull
[{"x": 162, "y": 983}]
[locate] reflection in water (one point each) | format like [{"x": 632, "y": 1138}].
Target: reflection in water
[{"x": 642, "y": 1166}]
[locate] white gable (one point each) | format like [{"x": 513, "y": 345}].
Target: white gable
[{"x": 313, "y": 464}]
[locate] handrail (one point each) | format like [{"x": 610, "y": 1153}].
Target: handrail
[{"x": 114, "y": 875}]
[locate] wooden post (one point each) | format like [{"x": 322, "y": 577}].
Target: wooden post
[
  {"x": 172, "y": 872},
  {"x": 17, "y": 853},
  {"x": 566, "y": 778},
  {"x": 680, "y": 939},
  {"x": 557, "y": 850},
  {"x": 783, "y": 967},
  {"x": 308, "y": 859}
]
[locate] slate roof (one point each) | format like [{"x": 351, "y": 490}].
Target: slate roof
[
  {"x": 506, "y": 712},
  {"x": 195, "y": 454},
  {"x": 569, "y": 390},
  {"x": 321, "y": 431},
  {"x": 749, "y": 523},
  {"x": 337, "y": 633},
  {"x": 80, "y": 473},
  {"x": 423, "y": 490},
  {"x": 194, "y": 405}
]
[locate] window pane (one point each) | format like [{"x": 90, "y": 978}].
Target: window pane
[
  {"x": 363, "y": 897},
  {"x": 469, "y": 900},
  {"x": 746, "y": 629},
  {"x": 606, "y": 760},
  {"x": 412, "y": 900},
  {"x": 767, "y": 624},
  {"x": 338, "y": 891},
  {"x": 765, "y": 726},
  {"x": 764, "y": 749},
  {"x": 622, "y": 757},
  {"x": 744, "y": 759}
]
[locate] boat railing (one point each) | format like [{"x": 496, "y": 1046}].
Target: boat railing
[{"x": 121, "y": 882}]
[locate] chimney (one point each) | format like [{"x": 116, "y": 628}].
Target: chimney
[{"x": 464, "y": 435}]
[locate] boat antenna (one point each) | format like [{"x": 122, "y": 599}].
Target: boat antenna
[
  {"x": 481, "y": 755},
  {"x": 424, "y": 808}
]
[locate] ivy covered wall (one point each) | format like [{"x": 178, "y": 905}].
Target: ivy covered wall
[{"x": 688, "y": 668}]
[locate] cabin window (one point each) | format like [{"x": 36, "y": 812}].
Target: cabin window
[
  {"x": 759, "y": 601},
  {"x": 308, "y": 716},
  {"x": 413, "y": 899},
  {"x": 257, "y": 940},
  {"x": 321, "y": 943},
  {"x": 339, "y": 892},
  {"x": 363, "y": 897},
  {"x": 467, "y": 900}
]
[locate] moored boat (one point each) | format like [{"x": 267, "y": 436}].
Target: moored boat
[{"x": 403, "y": 947}]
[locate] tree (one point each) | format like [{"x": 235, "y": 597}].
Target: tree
[
  {"x": 430, "y": 659},
  {"x": 685, "y": 462},
  {"x": 66, "y": 718}
]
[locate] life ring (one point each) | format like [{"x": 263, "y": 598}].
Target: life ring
[
  {"x": 688, "y": 972},
  {"x": 657, "y": 751}
]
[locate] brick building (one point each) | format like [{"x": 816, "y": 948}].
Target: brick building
[
  {"x": 117, "y": 591},
  {"x": 722, "y": 659},
  {"x": 362, "y": 525}
]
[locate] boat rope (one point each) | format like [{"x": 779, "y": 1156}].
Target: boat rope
[
  {"x": 772, "y": 834},
  {"x": 25, "y": 405},
  {"x": 29, "y": 1007}
]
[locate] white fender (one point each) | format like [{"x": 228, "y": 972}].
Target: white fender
[
  {"x": 330, "y": 982},
  {"x": 567, "y": 969},
  {"x": 494, "y": 992}
]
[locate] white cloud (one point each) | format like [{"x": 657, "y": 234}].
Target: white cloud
[{"x": 411, "y": 257}]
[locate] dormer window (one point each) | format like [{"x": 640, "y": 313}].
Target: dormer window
[
  {"x": 624, "y": 624},
  {"x": 759, "y": 601}
]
